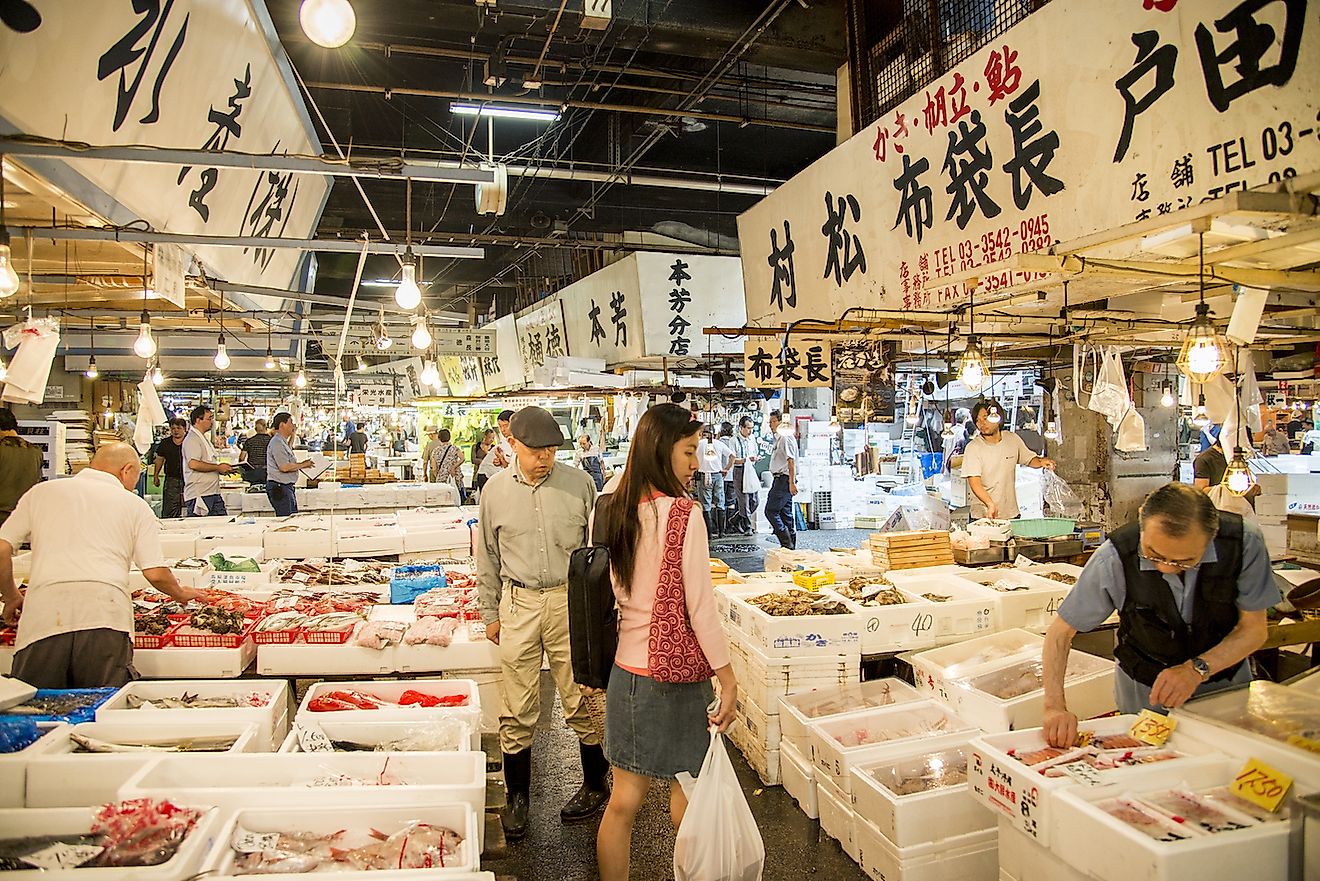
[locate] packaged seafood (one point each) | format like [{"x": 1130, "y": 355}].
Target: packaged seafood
[
  {"x": 1223, "y": 797},
  {"x": 414, "y": 845},
  {"x": 431, "y": 631},
  {"x": 796, "y": 603},
  {"x": 129, "y": 834},
  {"x": 923, "y": 773},
  {"x": 1194, "y": 810},
  {"x": 190, "y": 701},
  {"x": 838, "y": 743},
  {"x": 62, "y": 705},
  {"x": 380, "y": 634},
  {"x": 1145, "y": 820},
  {"x": 1023, "y": 677},
  {"x": 222, "y": 563}
]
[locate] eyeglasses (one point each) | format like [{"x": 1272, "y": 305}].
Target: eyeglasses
[{"x": 1181, "y": 566}]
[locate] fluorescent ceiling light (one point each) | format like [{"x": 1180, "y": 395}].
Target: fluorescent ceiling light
[{"x": 505, "y": 112}]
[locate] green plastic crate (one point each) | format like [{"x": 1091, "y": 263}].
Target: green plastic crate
[{"x": 1042, "y": 527}]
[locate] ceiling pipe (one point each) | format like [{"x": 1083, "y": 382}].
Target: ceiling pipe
[{"x": 643, "y": 180}]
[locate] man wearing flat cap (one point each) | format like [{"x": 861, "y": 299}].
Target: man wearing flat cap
[{"x": 533, "y": 516}]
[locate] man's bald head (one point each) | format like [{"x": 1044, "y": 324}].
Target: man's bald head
[{"x": 120, "y": 460}]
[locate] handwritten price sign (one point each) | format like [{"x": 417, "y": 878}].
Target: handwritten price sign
[
  {"x": 1153, "y": 728},
  {"x": 1261, "y": 785}
]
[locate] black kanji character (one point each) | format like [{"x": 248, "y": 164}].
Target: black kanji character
[
  {"x": 678, "y": 273},
  {"x": 126, "y": 51},
  {"x": 1032, "y": 151},
  {"x": 759, "y": 365},
  {"x": 817, "y": 369},
  {"x": 1150, "y": 56},
  {"x": 554, "y": 341},
  {"x": 226, "y": 126},
  {"x": 967, "y": 164},
  {"x": 781, "y": 260},
  {"x": 842, "y": 240},
  {"x": 620, "y": 313},
  {"x": 597, "y": 332},
  {"x": 1143, "y": 214},
  {"x": 1139, "y": 191},
  {"x": 1164, "y": 208},
  {"x": 914, "y": 208},
  {"x": 678, "y": 343},
  {"x": 1252, "y": 40},
  {"x": 679, "y": 298},
  {"x": 260, "y": 221},
  {"x": 789, "y": 362},
  {"x": 1182, "y": 175}
]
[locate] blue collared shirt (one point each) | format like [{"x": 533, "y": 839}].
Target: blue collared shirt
[
  {"x": 277, "y": 454},
  {"x": 1102, "y": 586}
]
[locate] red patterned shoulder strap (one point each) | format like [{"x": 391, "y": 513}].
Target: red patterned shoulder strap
[{"x": 674, "y": 655}]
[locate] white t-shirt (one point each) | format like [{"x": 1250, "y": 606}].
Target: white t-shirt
[
  {"x": 198, "y": 483},
  {"x": 719, "y": 462},
  {"x": 86, "y": 532},
  {"x": 488, "y": 466},
  {"x": 996, "y": 465}
]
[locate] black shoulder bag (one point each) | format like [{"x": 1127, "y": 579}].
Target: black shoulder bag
[{"x": 593, "y": 618}]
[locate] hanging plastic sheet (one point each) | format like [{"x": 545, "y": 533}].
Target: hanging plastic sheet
[
  {"x": 150, "y": 413},
  {"x": 36, "y": 340}
]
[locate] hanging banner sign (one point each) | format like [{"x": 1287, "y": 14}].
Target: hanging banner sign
[
  {"x": 803, "y": 363},
  {"x": 603, "y": 314},
  {"x": 409, "y": 373},
  {"x": 462, "y": 341},
  {"x": 1153, "y": 107},
  {"x": 193, "y": 74},
  {"x": 684, "y": 294},
  {"x": 462, "y": 374},
  {"x": 541, "y": 335},
  {"x": 504, "y": 369},
  {"x": 171, "y": 271}
]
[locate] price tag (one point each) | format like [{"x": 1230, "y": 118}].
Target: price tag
[
  {"x": 1153, "y": 728},
  {"x": 1261, "y": 785},
  {"x": 1083, "y": 773},
  {"x": 62, "y": 856},
  {"x": 247, "y": 841},
  {"x": 314, "y": 740},
  {"x": 1304, "y": 743}
]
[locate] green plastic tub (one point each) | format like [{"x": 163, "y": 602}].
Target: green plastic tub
[{"x": 1042, "y": 527}]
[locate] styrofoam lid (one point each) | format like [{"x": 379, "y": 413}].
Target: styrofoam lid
[{"x": 14, "y": 692}]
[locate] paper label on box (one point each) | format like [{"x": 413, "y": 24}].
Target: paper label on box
[
  {"x": 247, "y": 841},
  {"x": 1153, "y": 728},
  {"x": 1082, "y": 772},
  {"x": 62, "y": 856},
  {"x": 1304, "y": 743},
  {"x": 314, "y": 740},
  {"x": 1261, "y": 785}
]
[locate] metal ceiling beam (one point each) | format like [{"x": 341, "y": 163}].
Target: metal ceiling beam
[
  {"x": 641, "y": 180},
  {"x": 388, "y": 168},
  {"x": 338, "y": 246}
]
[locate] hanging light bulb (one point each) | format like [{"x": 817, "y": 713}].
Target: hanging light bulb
[
  {"x": 421, "y": 337},
  {"x": 911, "y": 417},
  {"x": 221, "y": 354},
  {"x": 947, "y": 431},
  {"x": 407, "y": 294},
  {"x": 1167, "y": 398},
  {"x": 1238, "y": 478},
  {"x": 1204, "y": 352},
  {"x": 1051, "y": 430},
  {"x": 270, "y": 359},
  {"x": 145, "y": 344},
  {"x": 8, "y": 277},
  {"x": 993, "y": 416},
  {"x": 972, "y": 371},
  {"x": 1200, "y": 418},
  {"x": 300, "y": 379},
  {"x": 157, "y": 375},
  {"x": 327, "y": 23},
  {"x": 785, "y": 428},
  {"x": 430, "y": 375},
  {"x": 835, "y": 425},
  {"x": 91, "y": 372},
  {"x": 361, "y": 362}
]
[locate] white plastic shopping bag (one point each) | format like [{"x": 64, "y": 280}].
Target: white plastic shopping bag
[{"x": 718, "y": 839}]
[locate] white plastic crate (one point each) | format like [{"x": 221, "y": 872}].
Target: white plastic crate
[
  {"x": 1024, "y": 796},
  {"x": 797, "y": 636},
  {"x": 1034, "y": 608},
  {"x": 298, "y": 544},
  {"x": 932, "y": 669},
  {"x": 303, "y": 659},
  {"x": 765, "y": 761},
  {"x": 14, "y": 766},
  {"x": 912, "y": 819},
  {"x": 172, "y": 662},
  {"x": 470, "y": 712},
  {"x": 921, "y": 622},
  {"x": 762, "y": 727},
  {"x": 1088, "y": 687},
  {"x": 211, "y": 538},
  {"x": 185, "y": 863},
  {"x": 178, "y": 545},
  {"x": 380, "y": 736},
  {"x": 1021, "y": 858},
  {"x": 361, "y": 820},
  {"x": 798, "y": 778},
  {"x": 800, "y": 709},
  {"x": 970, "y": 857},
  {"x": 840, "y": 742},
  {"x": 837, "y": 818},
  {"x": 1106, "y": 848},
  {"x": 367, "y": 540},
  {"x": 62, "y": 777},
  {"x": 765, "y": 679},
  {"x": 271, "y": 718}
]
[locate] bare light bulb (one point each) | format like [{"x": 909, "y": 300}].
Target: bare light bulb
[
  {"x": 221, "y": 354},
  {"x": 270, "y": 359},
  {"x": 421, "y": 337},
  {"x": 8, "y": 277},
  {"x": 328, "y": 23},
  {"x": 1203, "y": 357},
  {"x": 91, "y": 372},
  {"x": 300, "y": 380},
  {"x": 361, "y": 362},
  {"x": 1200, "y": 418},
  {"x": 157, "y": 375},
  {"x": 1167, "y": 398},
  {"x": 911, "y": 417},
  {"x": 145, "y": 344},
  {"x": 407, "y": 294},
  {"x": 1051, "y": 430},
  {"x": 785, "y": 430},
  {"x": 430, "y": 375},
  {"x": 972, "y": 372},
  {"x": 835, "y": 425},
  {"x": 1238, "y": 478}
]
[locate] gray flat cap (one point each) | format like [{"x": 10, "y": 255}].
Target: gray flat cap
[{"x": 535, "y": 427}]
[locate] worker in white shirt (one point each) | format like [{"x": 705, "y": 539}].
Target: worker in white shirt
[
  {"x": 714, "y": 461},
  {"x": 86, "y": 532},
  {"x": 990, "y": 464},
  {"x": 783, "y": 468},
  {"x": 502, "y": 456},
  {"x": 746, "y": 451},
  {"x": 201, "y": 469}
]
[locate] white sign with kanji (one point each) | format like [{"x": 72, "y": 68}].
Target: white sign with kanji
[
  {"x": 682, "y": 295},
  {"x": 603, "y": 314},
  {"x": 769, "y": 362},
  {"x": 504, "y": 369},
  {"x": 541, "y": 334},
  {"x": 1083, "y": 117}
]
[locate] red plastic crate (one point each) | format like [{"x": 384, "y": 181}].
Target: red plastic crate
[
  {"x": 209, "y": 640},
  {"x": 327, "y": 637},
  {"x": 274, "y": 637},
  {"x": 153, "y": 641}
]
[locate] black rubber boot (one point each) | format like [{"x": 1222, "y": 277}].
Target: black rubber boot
[
  {"x": 595, "y": 789},
  {"x": 518, "y": 785},
  {"x": 718, "y": 517}
]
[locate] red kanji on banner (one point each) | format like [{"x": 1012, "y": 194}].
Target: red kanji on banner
[{"x": 1002, "y": 74}]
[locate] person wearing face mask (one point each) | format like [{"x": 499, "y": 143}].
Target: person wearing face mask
[
  {"x": 76, "y": 623},
  {"x": 990, "y": 464},
  {"x": 1191, "y": 586}
]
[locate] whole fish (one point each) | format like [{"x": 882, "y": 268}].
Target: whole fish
[{"x": 169, "y": 745}]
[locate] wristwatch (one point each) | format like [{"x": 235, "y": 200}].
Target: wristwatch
[{"x": 1201, "y": 667}]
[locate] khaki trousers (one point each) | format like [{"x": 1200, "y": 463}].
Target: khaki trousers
[{"x": 532, "y": 622}]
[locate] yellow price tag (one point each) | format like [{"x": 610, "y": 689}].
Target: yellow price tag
[
  {"x": 1261, "y": 785},
  {"x": 1153, "y": 728},
  {"x": 1304, "y": 743}
]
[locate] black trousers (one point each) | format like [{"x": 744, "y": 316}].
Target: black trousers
[{"x": 100, "y": 658}]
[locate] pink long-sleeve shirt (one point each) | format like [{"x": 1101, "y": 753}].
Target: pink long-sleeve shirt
[{"x": 635, "y": 608}]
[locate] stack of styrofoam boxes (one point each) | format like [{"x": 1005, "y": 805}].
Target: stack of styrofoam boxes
[
  {"x": 1281, "y": 495},
  {"x": 268, "y": 709},
  {"x": 256, "y": 503},
  {"x": 1033, "y": 602},
  {"x": 841, "y": 743},
  {"x": 798, "y": 710},
  {"x": 178, "y": 538},
  {"x": 299, "y": 538},
  {"x": 959, "y": 676},
  {"x": 435, "y": 529},
  {"x": 920, "y": 622}
]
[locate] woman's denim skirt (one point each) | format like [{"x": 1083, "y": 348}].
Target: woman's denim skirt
[{"x": 656, "y": 729}]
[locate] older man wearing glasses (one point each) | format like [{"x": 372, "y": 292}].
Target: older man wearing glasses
[{"x": 1191, "y": 586}]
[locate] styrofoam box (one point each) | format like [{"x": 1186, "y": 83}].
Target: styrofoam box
[
  {"x": 271, "y": 719},
  {"x": 257, "y": 503},
  {"x": 899, "y": 577},
  {"x": 1105, "y": 847},
  {"x": 302, "y": 659},
  {"x": 234, "y": 782},
  {"x": 178, "y": 545},
  {"x": 765, "y": 761},
  {"x": 61, "y": 777},
  {"x": 1309, "y": 684},
  {"x": 1210, "y": 719},
  {"x": 368, "y": 540},
  {"x": 391, "y": 691},
  {"x": 1088, "y": 687},
  {"x": 800, "y": 709},
  {"x": 837, "y": 818},
  {"x": 1022, "y": 859},
  {"x": 244, "y": 579},
  {"x": 970, "y": 857},
  {"x": 372, "y": 735},
  {"x": 927, "y": 723},
  {"x": 328, "y": 820},
  {"x": 228, "y": 535},
  {"x": 760, "y": 726},
  {"x": 438, "y": 535},
  {"x": 921, "y": 622},
  {"x": 299, "y": 543},
  {"x": 765, "y": 678},
  {"x": 933, "y": 669},
  {"x": 185, "y": 863},
  {"x": 14, "y": 766},
  {"x": 188, "y": 663},
  {"x": 924, "y": 816},
  {"x": 796, "y": 636},
  {"x": 188, "y": 577},
  {"x": 756, "y": 583},
  {"x": 462, "y": 654},
  {"x": 1034, "y": 608},
  {"x": 799, "y": 780},
  {"x": 1025, "y": 797}
]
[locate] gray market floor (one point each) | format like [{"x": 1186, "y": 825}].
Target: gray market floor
[{"x": 552, "y": 851}]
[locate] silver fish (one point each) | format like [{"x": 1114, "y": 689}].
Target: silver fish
[{"x": 171, "y": 745}]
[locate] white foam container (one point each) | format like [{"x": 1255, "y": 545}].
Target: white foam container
[
  {"x": 932, "y": 669},
  {"x": 837, "y": 818},
  {"x": 765, "y": 678},
  {"x": 796, "y": 635},
  {"x": 302, "y": 659},
  {"x": 371, "y": 733},
  {"x": 1025, "y": 797},
  {"x": 835, "y": 760},
  {"x": 1209, "y": 720},
  {"x": 1022, "y": 859},
  {"x": 908, "y": 820},
  {"x": 798, "y": 710},
  {"x": 185, "y": 863},
  {"x": 298, "y": 544},
  {"x": 799, "y": 779},
  {"x": 921, "y": 622},
  {"x": 172, "y": 662},
  {"x": 61, "y": 777},
  {"x": 368, "y": 540},
  {"x": 762, "y": 727},
  {"x": 764, "y": 760},
  {"x": 1034, "y": 608},
  {"x": 245, "y": 580},
  {"x": 1106, "y": 848},
  {"x": 178, "y": 545},
  {"x": 14, "y": 766},
  {"x": 327, "y": 820},
  {"x": 970, "y": 857},
  {"x": 1089, "y": 693},
  {"x": 899, "y": 577},
  {"x": 391, "y": 691},
  {"x": 271, "y": 719},
  {"x": 435, "y": 537},
  {"x": 228, "y": 535}
]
